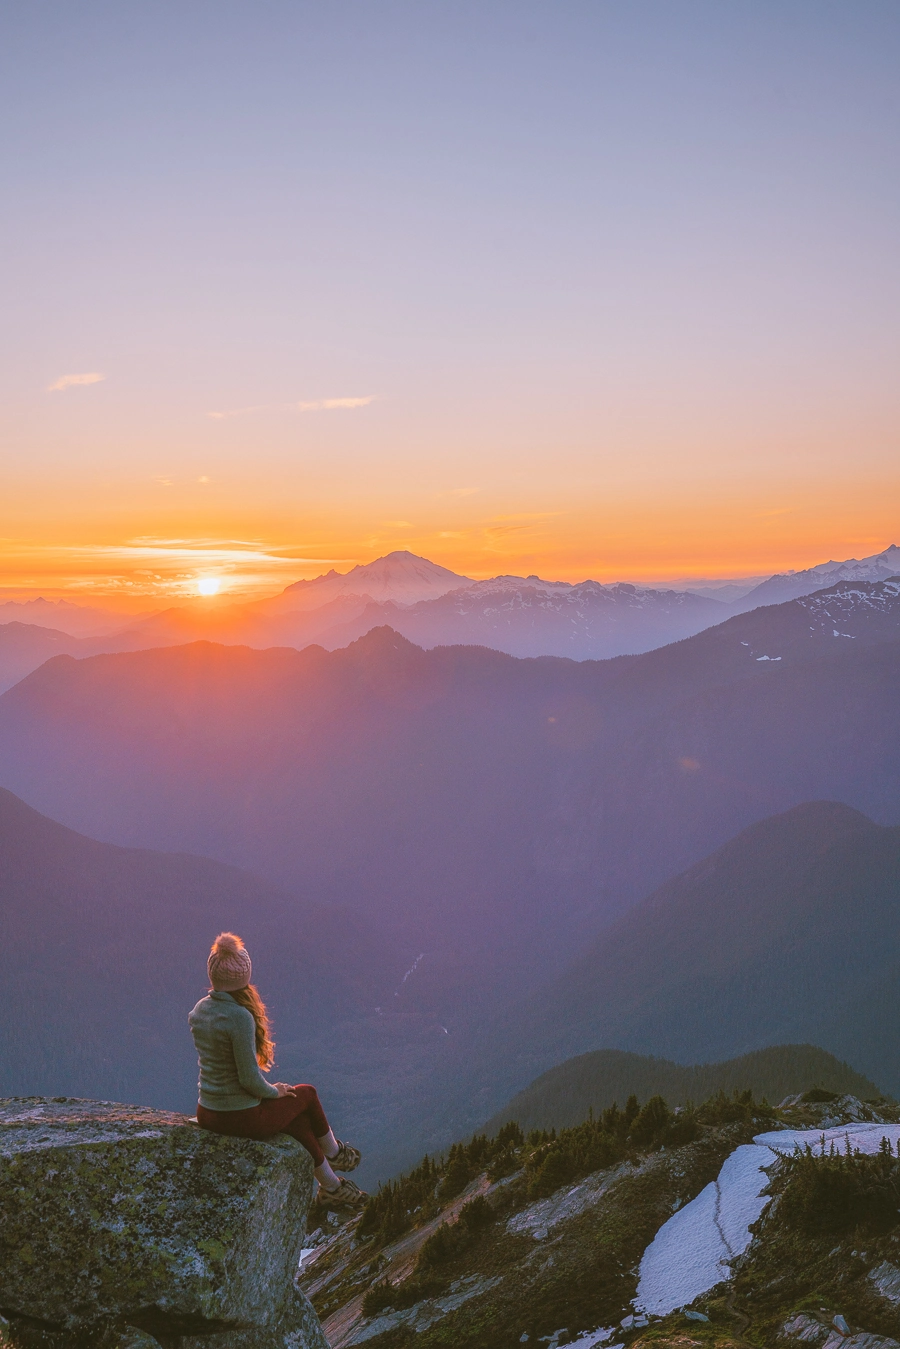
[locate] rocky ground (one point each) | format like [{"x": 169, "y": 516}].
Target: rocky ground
[
  {"x": 130, "y": 1228},
  {"x": 564, "y": 1267}
]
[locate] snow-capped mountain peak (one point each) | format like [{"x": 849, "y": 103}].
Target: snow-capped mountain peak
[
  {"x": 400, "y": 577},
  {"x": 792, "y": 585}
]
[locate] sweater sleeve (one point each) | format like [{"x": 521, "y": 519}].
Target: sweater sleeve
[{"x": 243, "y": 1042}]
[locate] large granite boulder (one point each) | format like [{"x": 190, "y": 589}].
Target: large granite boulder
[{"x": 117, "y": 1219}]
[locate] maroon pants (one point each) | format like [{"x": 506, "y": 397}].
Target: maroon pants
[{"x": 300, "y": 1114}]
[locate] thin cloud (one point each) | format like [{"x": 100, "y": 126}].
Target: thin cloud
[
  {"x": 329, "y": 404},
  {"x": 319, "y": 405},
  {"x": 73, "y": 381}
]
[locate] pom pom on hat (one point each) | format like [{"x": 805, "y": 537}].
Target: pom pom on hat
[{"x": 229, "y": 963}]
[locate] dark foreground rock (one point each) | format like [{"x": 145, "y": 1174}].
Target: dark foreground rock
[{"x": 117, "y": 1220}]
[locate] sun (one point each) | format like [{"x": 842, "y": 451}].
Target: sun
[{"x": 208, "y": 585}]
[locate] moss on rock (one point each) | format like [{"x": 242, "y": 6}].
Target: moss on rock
[{"x": 120, "y": 1215}]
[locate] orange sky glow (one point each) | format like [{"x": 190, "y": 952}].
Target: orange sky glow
[{"x": 519, "y": 288}]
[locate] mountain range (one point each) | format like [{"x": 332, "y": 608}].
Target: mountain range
[
  {"x": 787, "y": 933},
  {"x": 427, "y": 604},
  {"x": 443, "y": 787},
  {"x": 75, "y": 620},
  {"x": 794, "y": 584},
  {"x": 440, "y": 832}
]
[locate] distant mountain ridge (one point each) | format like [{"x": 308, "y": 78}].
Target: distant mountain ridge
[
  {"x": 77, "y": 620},
  {"x": 530, "y": 617},
  {"x": 793, "y": 585},
  {"x": 98, "y": 937},
  {"x": 25, "y": 646},
  {"x": 434, "y": 784},
  {"x": 562, "y": 1097},
  {"x": 431, "y": 606},
  {"x": 400, "y": 577},
  {"x": 788, "y": 933}
]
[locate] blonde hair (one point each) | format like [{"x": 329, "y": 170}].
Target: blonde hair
[
  {"x": 229, "y": 964},
  {"x": 265, "y": 1046}
]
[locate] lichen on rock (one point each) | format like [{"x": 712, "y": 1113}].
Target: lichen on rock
[{"x": 119, "y": 1216}]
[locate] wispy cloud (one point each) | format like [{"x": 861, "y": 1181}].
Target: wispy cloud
[
  {"x": 73, "y": 381},
  {"x": 329, "y": 404},
  {"x": 318, "y": 405},
  {"x": 166, "y": 568}
]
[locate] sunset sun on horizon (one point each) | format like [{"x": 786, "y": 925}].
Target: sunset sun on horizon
[{"x": 587, "y": 292}]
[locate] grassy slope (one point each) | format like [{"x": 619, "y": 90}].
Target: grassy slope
[{"x": 555, "y": 1255}]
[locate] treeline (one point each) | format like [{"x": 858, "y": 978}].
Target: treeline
[
  {"x": 419, "y": 1196},
  {"x": 547, "y": 1159},
  {"x": 562, "y": 1096}
]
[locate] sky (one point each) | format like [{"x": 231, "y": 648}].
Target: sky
[{"x": 576, "y": 288}]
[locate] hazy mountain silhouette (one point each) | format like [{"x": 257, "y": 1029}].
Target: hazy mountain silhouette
[
  {"x": 562, "y": 1097},
  {"x": 787, "y": 933},
  {"x": 460, "y": 791},
  {"x": 106, "y": 951},
  {"x": 77, "y": 620},
  {"x": 530, "y": 617},
  {"x": 25, "y": 646},
  {"x": 381, "y": 776},
  {"x": 401, "y": 577},
  {"x": 429, "y": 605},
  {"x": 792, "y": 585}
]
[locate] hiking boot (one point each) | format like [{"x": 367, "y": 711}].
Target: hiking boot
[
  {"x": 347, "y": 1157},
  {"x": 347, "y": 1198}
]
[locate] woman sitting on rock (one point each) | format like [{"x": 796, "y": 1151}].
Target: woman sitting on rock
[{"x": 232, "y": 1034}]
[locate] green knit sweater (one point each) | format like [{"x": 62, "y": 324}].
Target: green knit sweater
[{"x": 225, "y": 1035}]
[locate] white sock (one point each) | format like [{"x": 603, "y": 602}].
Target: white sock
[
  {"x": 329, "y": 1144},
  {"x": 326, "y": 1177}
]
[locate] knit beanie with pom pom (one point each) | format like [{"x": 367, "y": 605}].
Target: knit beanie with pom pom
[{"x": 229, "y": 963}]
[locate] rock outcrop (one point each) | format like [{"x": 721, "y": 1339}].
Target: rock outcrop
[{"x": 123, "y": 1225}]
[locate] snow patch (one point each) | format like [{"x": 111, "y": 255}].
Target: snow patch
[
  {"x": 538, "y": 1218},
  {"x": 594, "y": 1337},
  {"x": 691, "y": 1252}
]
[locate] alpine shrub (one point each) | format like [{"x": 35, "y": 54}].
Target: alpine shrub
[
  {"x": 504, "y": 1164},
  {"x": 553, "y": 1168},
  {"x": 477, "y": 1214},
  {"x": 457, "y": 1174},
  {"x": 722, "y": 1109},
  {"x": 510, "y": 1136},
  {"x": 650, "y": 1124},
  {"x": 440, "y": 1247},
  {"x": 841, "y": 1191}
]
